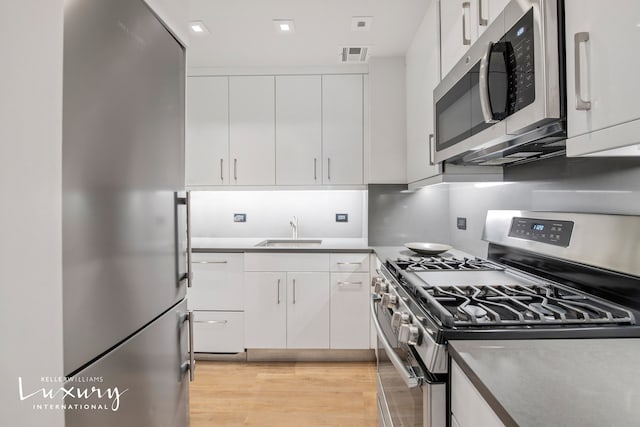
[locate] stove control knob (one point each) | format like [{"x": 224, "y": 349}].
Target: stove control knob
[
  {"x": 380, "y": 285},
  {"x": 408, "y": 334},
  {"x": 399, "y": 318},
  {"x": 389, "y": 300}
]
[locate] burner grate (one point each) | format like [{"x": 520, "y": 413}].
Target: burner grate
[
  {"x": 484, "y": 305},
  {"x": 445, "y": 264}
]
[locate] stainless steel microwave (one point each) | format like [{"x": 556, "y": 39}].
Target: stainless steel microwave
[{"x": 505, "y": 100}]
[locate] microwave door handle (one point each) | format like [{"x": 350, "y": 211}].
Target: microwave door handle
[{"x": 485, "y": 100}]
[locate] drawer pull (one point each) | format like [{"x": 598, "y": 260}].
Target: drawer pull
[
  {"x": 349, "y": 283},
  {"x": 212, "y": 322},
  {"x": 212, "y": 262},
  {"x": 349, "y": 263}
]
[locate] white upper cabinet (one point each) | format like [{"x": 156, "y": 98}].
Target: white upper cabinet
[
  {"x": 602, "y": 84},
  {"x": 422, "y": 76},
  {"x": 252, "y": 130},
  {"x": 298, "y": 130},
  {"x": 342, "y": 129},
  {"x": 387, "y": 124},
  {"x": 461, "y": 22},
  {"x": 207, "y": 142}
]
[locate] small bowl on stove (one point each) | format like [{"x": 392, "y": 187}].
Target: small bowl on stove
[{"x": 424, "y": 248}]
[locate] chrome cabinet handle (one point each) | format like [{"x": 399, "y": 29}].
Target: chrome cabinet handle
[
  {"x": 192, "y": 358},
  {"x": 465, "y": 6},
  {"x": 221, "y": 173},
  {"x": 294, "y": 291},
  {"x": 348, "y": 263},
  {"x": 211, "y": 262},
  {"x": 278, "y": 294},
  {"x": 315, "y": 169},
  {"x": 235, "y": 169},
  {"x": 579, "y": 38},
  {"x": 485, "y": 101},
  {"x": 329, "y": 168},
  {"x": 411, "y": 381},
  {"x": 432, "y": 152},
  {"x": 349, "y": 283},
  {"x": 481, "y": 21},
  {"x": 212, "y": 322}
]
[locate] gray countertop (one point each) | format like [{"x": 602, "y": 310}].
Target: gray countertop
[
  {"x": 588, "y": 382},
  {"x": 208, "y": 244}
]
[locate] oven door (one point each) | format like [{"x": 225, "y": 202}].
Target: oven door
[{"x": 407, "y": 394}]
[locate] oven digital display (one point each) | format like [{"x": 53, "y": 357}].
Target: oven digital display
[{"x": 552, "y": 232}]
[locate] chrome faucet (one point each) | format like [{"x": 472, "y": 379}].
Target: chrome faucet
[{"x": 294, "y": 228}]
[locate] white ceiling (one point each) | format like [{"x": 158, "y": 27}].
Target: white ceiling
[{"x": 242, "y": 33}]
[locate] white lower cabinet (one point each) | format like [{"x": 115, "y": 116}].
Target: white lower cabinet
[
  {"x": 296, "y": 301},
  {"x": 217, "y": 282},
  {"x": 266, "y": 310},
  {"x": 349, "y": 310},
  {"x": 307, "y": 310},
  {"x": 218, "y": 331},
  {"x": 468, "y": 407}
]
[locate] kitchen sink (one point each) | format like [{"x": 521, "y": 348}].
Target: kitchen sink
[{"x": 289, "y": 243}]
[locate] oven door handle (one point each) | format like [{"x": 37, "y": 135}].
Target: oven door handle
[{"x": 410, "y": 380}]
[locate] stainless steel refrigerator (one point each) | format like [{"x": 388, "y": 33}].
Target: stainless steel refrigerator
[{"x": 124, "y": 218}]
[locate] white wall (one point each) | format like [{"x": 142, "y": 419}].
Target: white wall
[
  {"x": 30, "y": 219},
  {"x": 269, "y": 213}
]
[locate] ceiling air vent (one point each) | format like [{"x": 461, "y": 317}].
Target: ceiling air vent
[{"x": 354, "y": 55}]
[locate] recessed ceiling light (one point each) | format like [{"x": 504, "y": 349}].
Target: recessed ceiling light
[
  {"x": 198, "y": 27},
  {"x": 284, "y": 26},
  {"x": 361, "y": 23}
]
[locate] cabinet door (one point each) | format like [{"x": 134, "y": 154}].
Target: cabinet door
[
  {"x": 265, "y": 312},
  {"x": 467, "y": 404},
  {"x": 218, "y": 282},
  {"x": 298, "y": 130},
  {"x": 342, "y": 129},
  {"x": 207, "y": 142},
  {"x": 350, "y": 310},
  {"x": 308, "y": 310},
  {"x": 458, "y": 29},
  {"x": 252, "y": 130},
  {"x": 487, "y": 12},
  {"x": 422, "y": 77},
  {"x": 607, "y": 71}
]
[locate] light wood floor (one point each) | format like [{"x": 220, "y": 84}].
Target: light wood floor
[{"x": 284, "y": 394}]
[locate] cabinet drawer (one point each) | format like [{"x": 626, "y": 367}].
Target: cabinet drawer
[
  {"x": 218, "y": 331},
  {"x": 218, "y": 282},
  {"x": 284, "y": 261},
  {"x": 350, "y": 262}
]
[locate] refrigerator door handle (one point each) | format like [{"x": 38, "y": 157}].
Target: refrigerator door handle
[
  {"x": 188, "y": 276},
  {"x": 192, "y": 360}
]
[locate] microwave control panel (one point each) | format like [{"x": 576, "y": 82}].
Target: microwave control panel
[
  {"x": 519, "y": 42},
  {"x": 553, "y": 232}
]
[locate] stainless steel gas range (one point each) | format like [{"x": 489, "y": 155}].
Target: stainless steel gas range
[{"x": 546, "y": 275}]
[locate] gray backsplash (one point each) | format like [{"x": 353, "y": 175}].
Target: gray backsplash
[
  {"x": 397, "y": 216},
  {"x": 591, "y": 185}
]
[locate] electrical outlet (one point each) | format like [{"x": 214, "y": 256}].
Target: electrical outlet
[
  {"x": 462, "y": 223},
  {"x": 342, "y": 217},
  {"x": 240, "y": 217}
]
